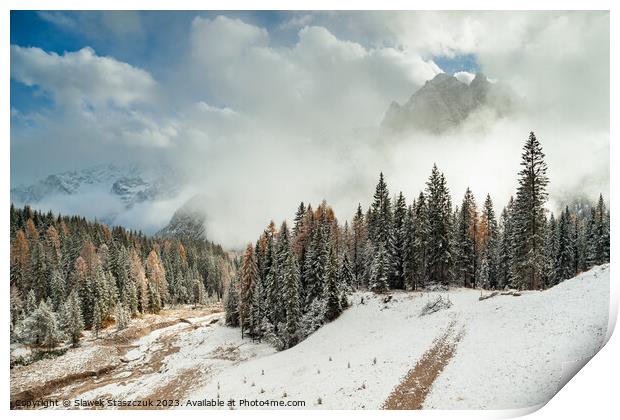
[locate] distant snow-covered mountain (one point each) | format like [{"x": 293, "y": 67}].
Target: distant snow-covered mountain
[
  {"x": 132, "y": 184},
  {"x": 445, "y": 102},
  {"x": 188, "y": 222}
]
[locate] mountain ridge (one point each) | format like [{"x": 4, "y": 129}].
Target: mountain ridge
[{"x": 444, "y": 103}]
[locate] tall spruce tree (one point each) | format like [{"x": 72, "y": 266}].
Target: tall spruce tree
[
  {"x": 529, "y": 217},
  {"x": 399, "y": 243},
  {"x": 380, "y": 220},
  {"x": 551, "y": 251},
  {"x": 332, "y": 289},
  {"x": 249, "y": 276},
  {"x": 358, "y": 246},
  {"x": 563, "y": 267},
  {"x": 231, "y": 303},
  {"x": 466, "y": 258},
  {"x": 439, "y": 216},
  {"x": 257, "y": 311},
  {"x": 489, "y": 244},
  {"x": 380, "y": 270},
  {"x": 291, "y": 304},
  {"x": 419, "y": 243},
  {"x": 505, "y": 278},
  {"x": 72, "y": 322}
]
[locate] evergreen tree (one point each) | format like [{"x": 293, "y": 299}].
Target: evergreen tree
[
  {"x": 154, "y": 300},
  {"x": 299, "y": 218},
  {"x": 40, "y": 327},
  {"x": 601, "y": 235},
  {"x": 72, "y": 322},
  {"x": 358, "y": 246},
  {"x": 249, "y": 276},
  {"x": 31, "y": 302},
  {"x": 17, "y": 311},
  {"x": 121, "y": 316},
  {"x": 380, "y": 270},
  {"x": 380, "y": 220},
  {"x": 40, "y": 272},
  {"x": 576, "y": 242},
  {"x": 563, "y": 267},
  {"x": 399, "y": 244},
  {"x": 466, "y": 258},
  {"x": 316, "y": 262},
  {"x": 506, "y": 249},
  {"x": 418, "y": 256},
  {"x": 489, "y": 244},
  {"x": 292, "y": 304},
  {"x": 332, "y": 292},
  {"x": 257, "y": 311},
  {"x": 439, "y": 217},
  {"x": 97, "y": 323},
  {"x": 529, "y": 217},
  {"x": 231, "y": 304},
  {"x": 57, "y": 292},
  {"x": 345, "y": 274},
  {"x": 551, "y": 251}
]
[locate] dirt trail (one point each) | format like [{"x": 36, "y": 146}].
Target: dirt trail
[
  {"x": 112, "y": 361},
  {"x": 413, "y": 389},
  {"x": 149, "y": 362}
]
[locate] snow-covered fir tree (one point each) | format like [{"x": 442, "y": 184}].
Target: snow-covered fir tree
[
  {"x": 380, "y": 215},
  {"x": 399, "y": 243},
  {"x": 333, "y": 307},
  {"x": 41, "y": 327},
  {"x": 292, "y": 304},
  {"x": 466, "y": 252},
  {"x": 563, "y": 258},
  {"x": 249, "y": 276},
  {"x": 358, "y": 246},
  {"x": 121, "y": 316},
  {"x": 489, "y": 244},
  {"x": 380, "y": 270},
  {"x": 231, "y": 303},
  {"x": 72, "y": 322},
  {"x": 505, "y": 278},
  {"x": 439, "y": 216},
  {"x": 529, "y": 217}
]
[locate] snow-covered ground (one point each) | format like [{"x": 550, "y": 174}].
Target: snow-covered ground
[
  {"x": 515, "y": 352},
  {"x": 510, "y": 352}
]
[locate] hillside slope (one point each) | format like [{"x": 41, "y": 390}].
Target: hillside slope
[{"x": 514, "y": 351}]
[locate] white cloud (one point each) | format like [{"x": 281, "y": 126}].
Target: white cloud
[
  {"x": 82, "y": 79},
  {"x": 98, "y": 24},
  {"x": 297, "y": 22},
  {"x": 465, "y": 76},
  {"x": 305, "y": 85}
]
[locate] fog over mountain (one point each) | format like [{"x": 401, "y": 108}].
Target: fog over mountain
[
  {"x": 259, "y": 115},
  {"x": 189, "y": 221},
  {"x": 445, "y": 102},
  {"x": 107, "y": 192}
]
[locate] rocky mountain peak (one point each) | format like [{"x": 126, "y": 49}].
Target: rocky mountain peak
[{"x": 444, "y": 102}]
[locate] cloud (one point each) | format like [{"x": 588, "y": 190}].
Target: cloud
[
  {"x": 82, "y": 78},
  {"x": 465, "y": 76},
  {"x": 297, "y": 22},
  {"x": 307, "y": 83},
  {"x": 97, "y": 24}
]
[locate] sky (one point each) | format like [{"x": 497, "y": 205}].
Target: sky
[{"x": 261, "y": 110}]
